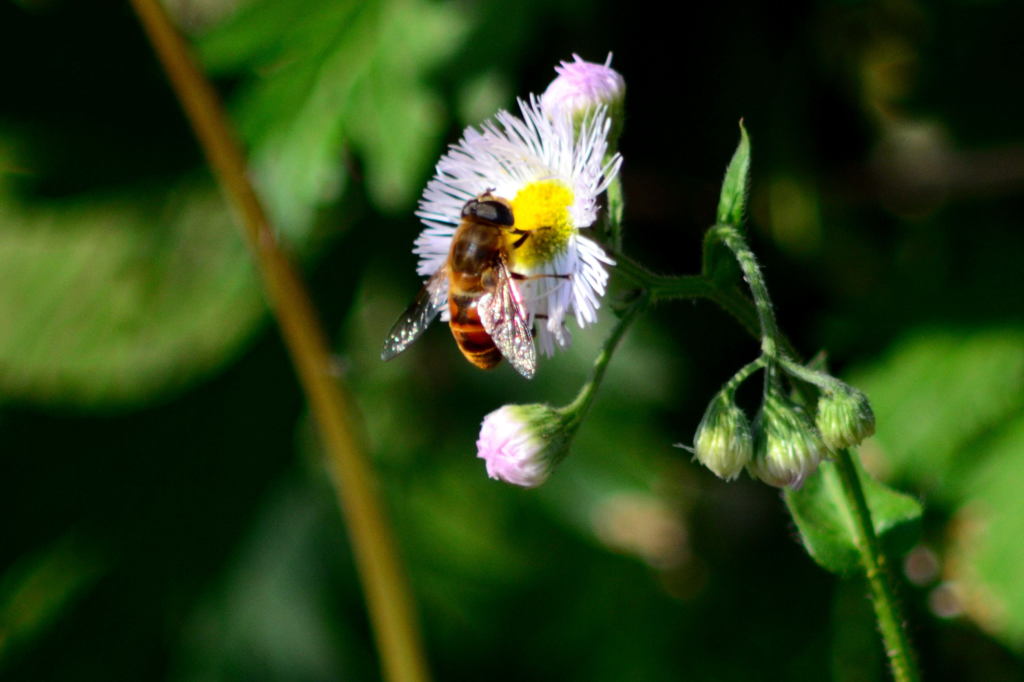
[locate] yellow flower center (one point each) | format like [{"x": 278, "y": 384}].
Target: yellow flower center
[{"x": 542, "y": 223}]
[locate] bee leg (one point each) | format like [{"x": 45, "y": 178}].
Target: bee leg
[
  {"x": 525, "y": 234},
  {"x": 533, "y": 328},
  {"x": 519, "y": 276}
]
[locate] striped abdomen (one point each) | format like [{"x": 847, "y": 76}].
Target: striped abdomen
[
  {"x": 473, "y": 341},
  {"x": 475, "y": 252}
]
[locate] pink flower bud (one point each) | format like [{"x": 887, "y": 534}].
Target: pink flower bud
[{"x": 521, "y": 444}]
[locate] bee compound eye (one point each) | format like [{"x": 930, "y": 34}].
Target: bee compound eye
[
  {"x": 494, "y": 212},
  {"x": 502, "y": 214}
]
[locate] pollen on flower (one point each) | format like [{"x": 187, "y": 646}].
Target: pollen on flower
[{"x": 541, "y": 209}]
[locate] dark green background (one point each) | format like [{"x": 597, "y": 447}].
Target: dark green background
[{"x": 165, "y": 512}]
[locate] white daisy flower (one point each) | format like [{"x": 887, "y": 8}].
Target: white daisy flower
[{"x": 552, "y": 175}]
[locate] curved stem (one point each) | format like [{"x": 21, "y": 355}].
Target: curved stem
[
  {"x": 742, "y": 375},
  {"x": 387, "y": 594},
  {"x": 770, "y": 335},
  {"x": 823, "y": 381},
  {"x": 878, "y": 573}
]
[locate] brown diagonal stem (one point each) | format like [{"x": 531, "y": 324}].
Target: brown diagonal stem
[{"x": 387, "y": 594}]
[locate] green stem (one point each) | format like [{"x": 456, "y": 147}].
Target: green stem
[
  {"x": 577, "y": 409},
  {"x": 770, "y": 334},
  {"x": 742, "y": 375},
  {"x": 388, "y": 597},
  {"x": 823, "y": 381},
  {"x": 662, "y": 287},
  {"x": 878, "y": 573}
]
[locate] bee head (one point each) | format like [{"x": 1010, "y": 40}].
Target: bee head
[{"x": 489, "y": 208}]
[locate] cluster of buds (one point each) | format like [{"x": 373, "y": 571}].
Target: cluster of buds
[{"x": 783, "y": 445}]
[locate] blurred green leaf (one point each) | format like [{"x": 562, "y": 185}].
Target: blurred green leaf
[
  {"x": 108, "y": 300},
  {"x": 325, "y": 77},
  {"x": 732, "y": 204},
  {"x": 821, "y": 515},
  {"x": 988, "y": 554},
  {"x": 936, "y": 394},
  {"x": 38, "y": 588},
  {"x": 482, "y": 94}
]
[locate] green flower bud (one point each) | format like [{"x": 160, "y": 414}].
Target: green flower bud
[
  {"x": 845, "y": 417},
  {"x": 723, "y": 442},
  {"x": 787, "y": 447}
]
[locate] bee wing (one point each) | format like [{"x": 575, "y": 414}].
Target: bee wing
[
  {"x": 506, "y": 321},
  {"x": 417, "y": 317}
]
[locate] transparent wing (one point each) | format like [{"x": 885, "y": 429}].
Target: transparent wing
[
  {"x": 417, "y": 317},
  {"x": 506, "y": 321}
]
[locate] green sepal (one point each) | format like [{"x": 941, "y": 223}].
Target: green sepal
[
  {"x": 732, "y": 204},
  {"x": 822, "y": 517}
]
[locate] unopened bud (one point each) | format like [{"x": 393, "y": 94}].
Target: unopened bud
[
  {"x": 521, "y": 444},
  {"x": 787, "y": 447},
  {"x": 723, "y": 442},
  {"x": 581, "y": 88},
  {"x": 845, "y": 417}
]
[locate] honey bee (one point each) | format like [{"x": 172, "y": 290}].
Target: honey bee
[{"x": 486, "y": 312}]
